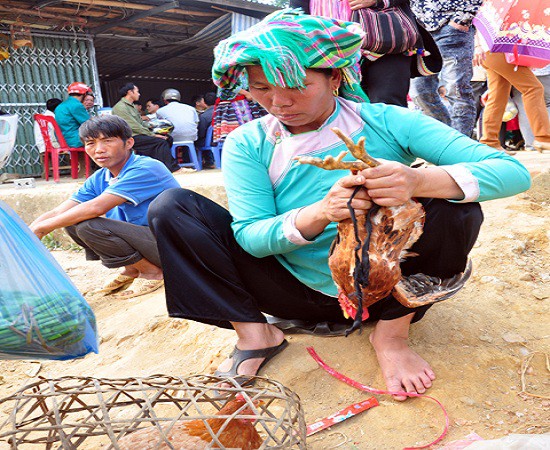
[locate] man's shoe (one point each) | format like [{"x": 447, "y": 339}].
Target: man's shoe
[
  {"x": 540, "y": 146},
  {"x": 140, "y": 286}
]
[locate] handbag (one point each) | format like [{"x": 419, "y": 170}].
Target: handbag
[
  {"x": 388, "y": 30},
  {"x": 525, "y": 60}
]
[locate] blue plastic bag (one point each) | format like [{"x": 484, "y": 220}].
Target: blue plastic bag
[{"x": 42, "y": 314}]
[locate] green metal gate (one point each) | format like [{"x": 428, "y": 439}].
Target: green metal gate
[{"x": 31, "y": 76}]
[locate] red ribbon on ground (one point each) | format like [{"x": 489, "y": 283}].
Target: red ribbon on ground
[{"x": 364, "y": 387}]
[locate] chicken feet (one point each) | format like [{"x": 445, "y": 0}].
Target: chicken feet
[{"x": 364, "y": 160}]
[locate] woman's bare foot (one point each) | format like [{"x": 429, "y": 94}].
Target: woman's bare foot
[
  {"x": 253, "y": 336},
  {"x": 402, "y": 368}
]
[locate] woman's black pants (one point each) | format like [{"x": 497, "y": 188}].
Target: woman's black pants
[{"x": 209, "y": 278}]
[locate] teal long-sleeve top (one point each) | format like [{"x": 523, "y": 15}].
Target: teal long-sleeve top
[
  {"x": 69, "y": 115},
  {"x": 266, "y": 187}
]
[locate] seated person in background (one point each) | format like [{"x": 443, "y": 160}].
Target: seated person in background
[
  {"x": 51, "y": 105},
  {"x": 183, "y": 117},
  {"x": 121, "y": 190},
  {"x": 139, "y": 108},
  {"x": 151, "y": 107},
  {"x": 89, "y": 102},
  {"x": 199, "y": 104},
  {"x": 146, "y": 143},
  {"x": 205, "y": 120},
  {"x": 71, "y": 113},
  {"x": 269, "y": 252}
]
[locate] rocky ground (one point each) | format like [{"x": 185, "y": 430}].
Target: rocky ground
[{"x": 476, "y": 343}]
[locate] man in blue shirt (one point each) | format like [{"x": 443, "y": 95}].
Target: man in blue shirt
[
  {"x": 450, "y": 24},
  {"x": 121, "y": 190},
  {"x": 71, "y": 113}
]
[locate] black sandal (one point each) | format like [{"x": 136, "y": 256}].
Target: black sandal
[{"x": 239, "y": 356}]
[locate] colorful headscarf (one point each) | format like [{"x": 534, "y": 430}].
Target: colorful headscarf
[{"x": 286, "y": 43}]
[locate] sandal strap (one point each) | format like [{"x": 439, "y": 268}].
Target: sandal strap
[{"x": 239, "y": 356}]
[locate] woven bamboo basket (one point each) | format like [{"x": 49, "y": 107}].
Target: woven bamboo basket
[{"x": 94, "y": 413}]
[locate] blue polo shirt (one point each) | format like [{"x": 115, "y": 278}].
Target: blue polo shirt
[
  {"x": 69, "y": 115},
  {"x": 139, "y": 182}
]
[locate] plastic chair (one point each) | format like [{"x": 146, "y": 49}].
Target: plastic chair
[
  {"x": 196, "y": 162},
  {"x": 215, "y": 149},
  {"x": 53, "y": 153}
]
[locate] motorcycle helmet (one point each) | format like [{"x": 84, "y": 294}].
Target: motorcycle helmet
[
  {"x": 161, "y": 126},
  {"x": 171, "y": 94},
  {"x": 8, "y": 130},
  {"x": 78, "y": 88}
]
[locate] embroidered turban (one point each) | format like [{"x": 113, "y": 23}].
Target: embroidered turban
[{"x": 285, "y": 44}]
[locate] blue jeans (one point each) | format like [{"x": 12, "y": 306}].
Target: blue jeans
[{"x": 457, "y": 50}]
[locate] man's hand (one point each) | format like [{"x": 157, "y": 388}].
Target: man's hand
[
  {"x": 463, "y": 28},
  {"x": 162, "y": 136},
  {"x": 39, "y": 229},
  {"x": 360, "y": 4}
]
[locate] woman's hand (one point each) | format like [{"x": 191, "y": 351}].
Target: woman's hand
[
  {"x": 360, "y": 4},
  {"x": 334, "y": 206},
  {"x": 391, "y": 183},
  {"x": 313, "y": 219},
  {"x": 479, "y": 57}
]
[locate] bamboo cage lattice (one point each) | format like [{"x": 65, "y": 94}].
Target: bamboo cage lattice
[{"x": 94, "y": 413}]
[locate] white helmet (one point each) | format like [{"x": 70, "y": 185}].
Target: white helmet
[
  {"x": 171, "y": 94},
  {"x": 8, "y": 130}
]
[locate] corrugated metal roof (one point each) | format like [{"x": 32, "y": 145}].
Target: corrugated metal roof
[{"x": 137, "y": 38}]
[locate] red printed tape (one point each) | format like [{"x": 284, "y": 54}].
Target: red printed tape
[
  {"x": 364, "y": 387},
  {"x": 341, "y": 415}
]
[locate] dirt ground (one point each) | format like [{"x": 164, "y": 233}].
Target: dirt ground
[{"x": 475, "y": 342}]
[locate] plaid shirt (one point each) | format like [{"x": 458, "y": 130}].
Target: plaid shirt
[{"x": 436, "y": 13}]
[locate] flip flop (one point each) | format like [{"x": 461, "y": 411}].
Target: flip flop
[
  {"x": 116, "y": 283},
  {"x": 239, "y": 356},
  {"x": 140, "y": 286}
]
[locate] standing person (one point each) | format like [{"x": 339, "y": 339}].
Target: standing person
[
  {"x": 543, "y": 75},
  {"x": 183, "y": 117},
  {"x": 71, "y": 113},
  {"x": 121, "y": 190},
  {"x": 269, "y": 253},
  {"x": 205, "y": 121},
  {"x": 385, "y": 77},
  {"x": 233, "y": 109},
  {"x": 501, "y": 76},
  {"x": 450, "y": 24},
  {"x": 146, "y": 143}
]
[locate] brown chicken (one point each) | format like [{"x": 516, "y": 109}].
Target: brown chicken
[
  {"x": 365, "y": 256},
  {"x": 195, "y": 435}
]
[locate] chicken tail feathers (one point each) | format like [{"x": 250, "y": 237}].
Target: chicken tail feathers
[{"x": 420, "y": 289}]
